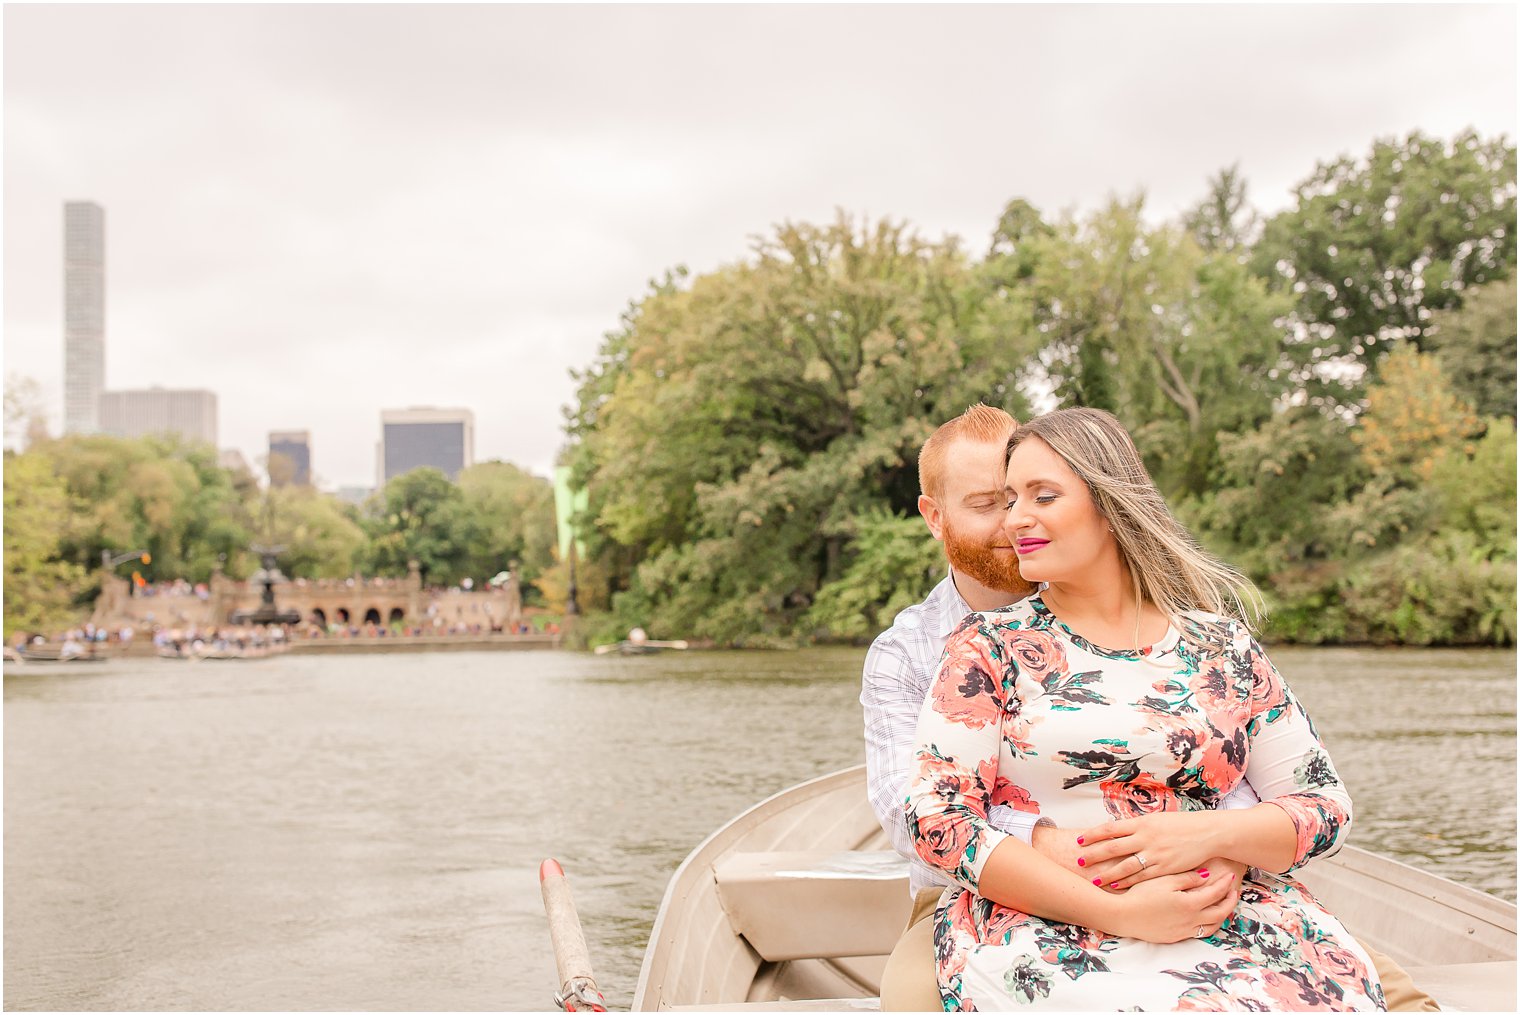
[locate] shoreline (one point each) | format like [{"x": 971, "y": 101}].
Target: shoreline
[{"x": 426, "y": 643}]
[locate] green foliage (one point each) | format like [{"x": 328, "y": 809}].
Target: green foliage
[
  {"x": 1179, "y": 343},
  {"x": 156, "y": 494},
  {"x": 1374, "y": 246},
  {"x": 1477, "y": 348},
  {"x": 40, "y": 588},
  {"x": 514, "y": 510},
  {"x": 1271, "y": 509},
  {"x": 735, "y": 430},
  {"x": 321, "y": 535},
  {"x": 421, "y": 516},
  {"x": 68, "y": 500},
  {"x": 1223, "y": 221},
  {"x": 895, "y": 561},
  {"x": 1328, "y": 400},
  {"x": 1475, "y": 492},
  {"x": 1440, "y": 590}
]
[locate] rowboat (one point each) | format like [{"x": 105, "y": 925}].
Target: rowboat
[
  {"x": 795, "y": 905},
  {"x": 639, "y": 648}
]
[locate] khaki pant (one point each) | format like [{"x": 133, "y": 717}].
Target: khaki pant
[{"x": 909, "y": 984}]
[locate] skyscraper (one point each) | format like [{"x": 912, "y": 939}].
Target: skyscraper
[
  {"x": 190, "y": 414},
  {"x": 442, "y": 439},
  {"x": 84, "y": 315},
  {"x": 290, "y": 458}
]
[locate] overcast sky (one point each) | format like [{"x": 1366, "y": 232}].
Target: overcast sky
[{"x": 321, "y": 212}]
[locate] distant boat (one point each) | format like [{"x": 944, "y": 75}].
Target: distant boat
[
  {"x": 639, "y": 648},
  {"x": 62, "y": 652},
  {"x": 795, "y": 905},
  {"x": 638, "y": 644}
]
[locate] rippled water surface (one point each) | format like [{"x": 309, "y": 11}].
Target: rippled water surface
[{"x": 364, "y": 832}]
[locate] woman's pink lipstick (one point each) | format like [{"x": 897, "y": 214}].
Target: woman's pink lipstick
[{"x": 1030, "y": 545}]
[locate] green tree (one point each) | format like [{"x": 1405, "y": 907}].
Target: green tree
[
  {"x": 159, "y": 494},
  {"x": 895, "y": 560},
  {"x": 321, "y": 535},
  {"x": 1224, "y": 221},
  {"x": 1278, "y": 485},
  {"x": 1477, "y": 348},
  {"x": 421, "y": 516},
  {"x": 40, "y": 588},
  {"x": 1374, "y": 246},
  {"x": 1179, "y": 343},
  {"x": 736, "y": 429},
  {"x": 514, "y": 511},
  {"x": 1475, "y": 491}
]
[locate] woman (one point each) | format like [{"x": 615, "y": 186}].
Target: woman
[{"x": 1127, "y": 697}]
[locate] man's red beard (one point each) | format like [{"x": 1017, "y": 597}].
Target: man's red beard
[{"x": 980, "y": 562}]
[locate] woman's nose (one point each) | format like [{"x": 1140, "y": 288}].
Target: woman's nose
[{"x": 1015, "y": 518}]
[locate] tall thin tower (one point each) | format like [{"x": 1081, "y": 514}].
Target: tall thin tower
[{"x": 84, "y": 315}]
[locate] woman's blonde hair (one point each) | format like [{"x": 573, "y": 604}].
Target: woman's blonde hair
[{"x": 1165, "y": 562}]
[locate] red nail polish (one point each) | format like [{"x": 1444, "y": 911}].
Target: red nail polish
[
  {"x": 1098, "y": 882},
  {"x": 1080, "y": 842},
  {"x": 1203, "y": 873},
  {"x": 1081, "y": 861}
]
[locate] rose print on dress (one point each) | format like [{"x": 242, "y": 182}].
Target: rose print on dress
[{"x": 1024, "y": 714}]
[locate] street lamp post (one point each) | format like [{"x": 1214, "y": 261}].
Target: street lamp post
[{"x": 110, "y": 563}]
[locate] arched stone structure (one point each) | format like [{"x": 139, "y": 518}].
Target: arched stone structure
[{"x": 321, "y": 601}]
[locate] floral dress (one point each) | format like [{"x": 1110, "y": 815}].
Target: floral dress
[{"x": 1026, "y": 713}]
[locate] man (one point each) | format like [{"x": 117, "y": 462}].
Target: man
[{"x": 961, "y": 472}]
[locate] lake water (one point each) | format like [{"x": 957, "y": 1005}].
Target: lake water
[{"x": 364, "y": 832}]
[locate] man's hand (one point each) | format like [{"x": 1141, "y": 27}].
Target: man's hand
[{"x": 1058, "y": 844}]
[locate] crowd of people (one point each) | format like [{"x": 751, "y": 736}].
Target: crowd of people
[{"x": 240, "y": 641}]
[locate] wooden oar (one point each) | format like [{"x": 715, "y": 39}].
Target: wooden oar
[
  {"x": 617, "y": 646},
  {"x": 578, "y": 990}
]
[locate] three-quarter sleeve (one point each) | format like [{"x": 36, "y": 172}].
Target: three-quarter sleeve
[
  {"x": 1287, "y": 765},
  {"x": 955, "y": 759}
]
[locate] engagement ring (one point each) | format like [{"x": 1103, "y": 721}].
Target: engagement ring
[{"x": 1141, "y": 859}]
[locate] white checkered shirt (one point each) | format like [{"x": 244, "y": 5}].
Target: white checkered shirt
[{"x": 899, "y": 669}]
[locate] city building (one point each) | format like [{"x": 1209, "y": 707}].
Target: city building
[
  {"x": 232, "y": 460},
  {"x": 84, "y": 315},
  {"x": 290, "y": 458},
  {"x": 190, "y": 414},
  {"x": 442, "y": 439}
]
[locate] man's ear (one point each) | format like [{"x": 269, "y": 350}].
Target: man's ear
[{"x": 933, "y": 516}]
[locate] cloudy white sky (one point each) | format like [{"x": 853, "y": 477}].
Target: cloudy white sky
[{"x": 320, "y": 212}]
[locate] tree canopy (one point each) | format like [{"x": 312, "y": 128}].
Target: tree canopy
[
  {"x": 1325, "y": 395},
  {"x": 749, "y": 436}
]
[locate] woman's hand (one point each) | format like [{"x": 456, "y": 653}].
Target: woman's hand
[
  {"x": 1175, "y": 907},
  {"x": 1169, "y": 842}
]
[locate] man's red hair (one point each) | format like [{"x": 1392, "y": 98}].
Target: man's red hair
[{"x": 978, "y": 423}]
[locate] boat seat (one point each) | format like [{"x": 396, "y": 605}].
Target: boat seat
[
  {"x": 815, "y": 904},
  {"x": 822, "y": 1004},
  {"x": 1471, "y": 986}
]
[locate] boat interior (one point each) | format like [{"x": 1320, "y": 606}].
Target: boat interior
[{"x": 796, "y": 904}]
